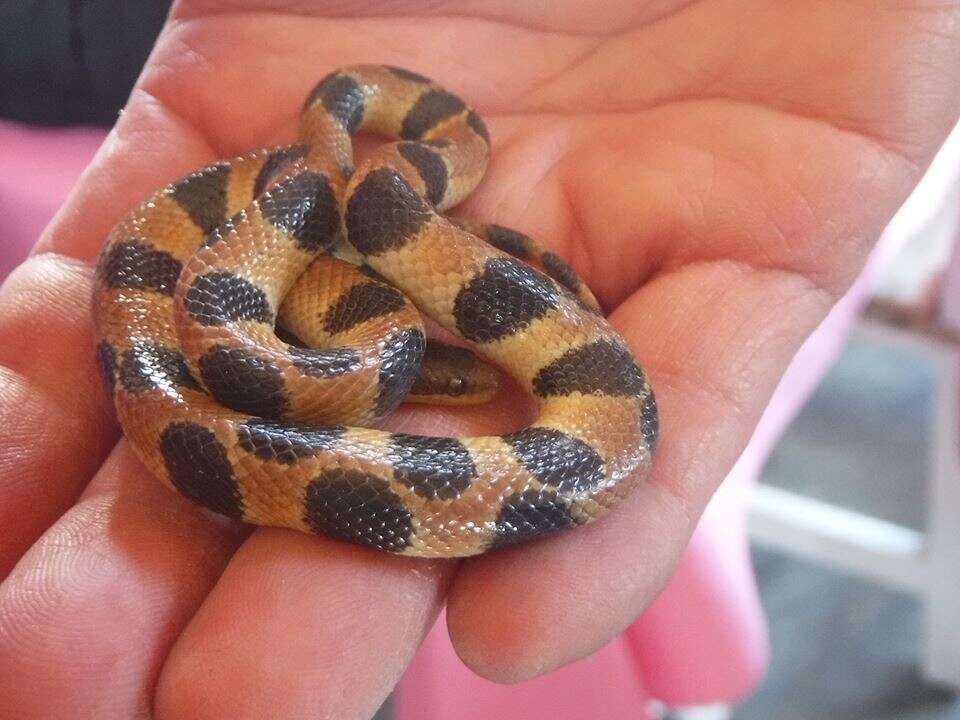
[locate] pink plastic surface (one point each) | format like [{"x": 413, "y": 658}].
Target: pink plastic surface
[
  {"x": 38, "y": 169},
  {"x": 438, "y": 686}
]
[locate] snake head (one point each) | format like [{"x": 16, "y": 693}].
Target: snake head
[{"x": 452, "y": 375}]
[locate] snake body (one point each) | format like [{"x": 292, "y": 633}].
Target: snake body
[{"x": 272, "y": 431}]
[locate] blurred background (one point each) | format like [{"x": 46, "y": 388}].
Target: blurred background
[{"x": 843, "y": 516}]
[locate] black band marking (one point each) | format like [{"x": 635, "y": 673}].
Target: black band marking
[
  {"x": 199, "y": 467},
  {"x": 651, "y": 421},
  {"x": 146, "y": 367},
  {"x": 557, "y": 459},
  {"x": 529, "y": 515},
  {"x": 305, "y": 207},
  {"x": 134, "y": 265},
  {"x": 358, "y": 507},
  {"x": 289, "y": 337},
  {"x": 430, "y": 166},
  {"x": 435, "y": 467},
  {"x": 502, "y": 300},
  {"x": 558, "y": 268},
  {"x": 107, "y": 362},
  {"x": 479, "y": 127},
  {"x": 218, "y": 298},
  {"x": 405, "y": 74},
  {"x": 286, "y": 443},
  {"x": 510, "y": 241},
  {"x": 326, "y": 362},
  {"x": 203, "y": 195},
  {"x": 224, "y": 229},
  {"x": 399, "y": 362},
  {"x": 342, "y": 97},
  {"x": 384, "y": 212},
  {"x": 243, "y": 381},
  {"x": 362, "y": 302},
  {"x": 371, "y": 273},
  {"x": 599, "y": 367},
  {"x": 275, "y": 162},
  {"x": 432, "y": 107}
]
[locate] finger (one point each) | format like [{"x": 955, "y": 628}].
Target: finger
[
  {"x": 89, "y": 613},
  {"x": 625, "y": 197},
  {"x": 56, "y": 414},
  {"x": 56, "y": 420},
  {"x": 301, "y": 626},
  {"x": 727, "y": 334},
  {"x": 619, "y": 57}
]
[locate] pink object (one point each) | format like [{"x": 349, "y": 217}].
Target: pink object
[
  {"x": 437, "y": 685},
  {"x": 39, "y": 168}
]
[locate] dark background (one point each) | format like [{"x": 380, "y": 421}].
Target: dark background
[{"x": 73, "y": 61}]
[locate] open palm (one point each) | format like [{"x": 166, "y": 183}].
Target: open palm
[{"x": 716, "y": 170}]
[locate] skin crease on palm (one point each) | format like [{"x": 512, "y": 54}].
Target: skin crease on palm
[{"x": 717, "y": 171}]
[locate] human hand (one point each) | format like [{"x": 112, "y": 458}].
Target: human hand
[{"x": 716, "y": 171}]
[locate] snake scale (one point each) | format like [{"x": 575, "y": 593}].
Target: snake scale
[{"x": 255, "y": 318}]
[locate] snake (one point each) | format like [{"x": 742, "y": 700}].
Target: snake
[{"x": 256, "y": 319}]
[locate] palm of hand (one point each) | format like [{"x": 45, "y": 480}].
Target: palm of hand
[{"x": 716, "y": 172}]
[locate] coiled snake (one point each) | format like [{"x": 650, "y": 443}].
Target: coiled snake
[{"x": 269, "y": 430}]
